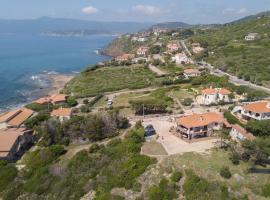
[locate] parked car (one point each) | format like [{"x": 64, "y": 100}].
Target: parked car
[{"x": 149, "y": 131}]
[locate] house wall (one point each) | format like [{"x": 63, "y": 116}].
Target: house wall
[
  {"x": 236, "y": 135},
  {"x": 256, "y": 116},
  {"x": 210, "y": 99}
]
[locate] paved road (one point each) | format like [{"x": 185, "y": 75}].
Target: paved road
[
  {"x": 236, "y": 80},
  {"x": 233, "y": 79},
  {"x": 185, "y": 47}
]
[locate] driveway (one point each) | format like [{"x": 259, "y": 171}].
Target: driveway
[{"x": 173, "y": 144}]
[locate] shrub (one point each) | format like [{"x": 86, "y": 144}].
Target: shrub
[
  {"x": 225, "y": 172},
  {"x": 266, "y": 190},
  {"x": 164, "y": 190},
  {"x": 235, "y": 158},
  {"x": 230, "y": 118},
  {"x": 187, "y": 101},
  {"x": 194, "y": 186},
  {"x": 71, "y": 101},
  {"x": 7, "y": 174},
  {"x": 176, "y": 176}
]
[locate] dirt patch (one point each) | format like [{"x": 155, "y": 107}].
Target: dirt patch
[{"x": 153, "y": 148}]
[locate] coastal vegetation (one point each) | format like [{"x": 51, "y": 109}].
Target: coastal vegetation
[
  {"x": 227, "y": 49},
  {"x": 108, "y": 79}
]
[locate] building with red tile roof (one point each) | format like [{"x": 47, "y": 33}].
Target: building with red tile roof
[
  {"x": 257, "y": 110},
  {"x": 54, "y": 99},
  {"x": 15, "y": 118},
  {"x": 199, "y": 124},
  {"x": 14, "y": 142},
  {"x": 62, "y": 113},
  {"x": 215, "y": 96}
]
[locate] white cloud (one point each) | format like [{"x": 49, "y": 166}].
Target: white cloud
[
  {"x": 147, "y": 9},
  {"x": 242, "y": 11},
  {"x": 89, "y": 10}
]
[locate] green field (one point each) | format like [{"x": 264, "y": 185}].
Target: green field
[{"x": 110, "y": 79}]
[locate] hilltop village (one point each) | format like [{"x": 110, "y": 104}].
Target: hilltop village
[{"x": 157, "y": 121}]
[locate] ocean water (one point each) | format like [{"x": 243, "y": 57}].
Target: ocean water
[{"x": 27, "y": 60}]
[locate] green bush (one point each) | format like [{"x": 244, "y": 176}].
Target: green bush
[
  {"x": 235, "y": 158},
  {"x": 187, "y": 101},
  {"x": 266, "y": 190},
  {"x": 71, "y": 101},
  {"x": 176, "y": 176},
  {"x": 225, "y": 172},
  {"x": 164, "y": 190},
  {"x": 7, "y": 175},
  {"x": 194, "y": 186}
]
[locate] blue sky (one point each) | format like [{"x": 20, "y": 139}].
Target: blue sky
[{"x": 191, "y": 11}]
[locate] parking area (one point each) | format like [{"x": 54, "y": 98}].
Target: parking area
[{"x": 173, "y": 144}]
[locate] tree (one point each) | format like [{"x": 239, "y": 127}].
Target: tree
[
  {"x": 259, "y": 128},
  {"x": 71, "y": 101}
]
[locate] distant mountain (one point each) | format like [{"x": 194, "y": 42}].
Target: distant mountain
[
  {"x": 252, "y": 17},
  {"x": 171, "y": 25},
  {"x": 46, "y": 24}
]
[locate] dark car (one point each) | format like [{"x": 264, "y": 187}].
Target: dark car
[{"x": 149, "y": 131}]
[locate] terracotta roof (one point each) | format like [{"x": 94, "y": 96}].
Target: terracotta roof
[
  {"x": 8, "y": 115},
  {"x": 243, "y": 132},
  {"x": 198, "y": 120},
  {"x": 191, "y": 71},
  {"x": 258, "y": 107},
  {"x": 43, "y": 100},
  {"x": 52, "y": 99},
  {"x": 210, "y": 91},
  {"x": 62, "y": 112},
  {"x": 16, "y": 117},
  {"x": 21, "y": 117},
  {"x": 8, "y": 138},
  {"x": 224, "y": 91},
  {"x": 58, "y": 98}
]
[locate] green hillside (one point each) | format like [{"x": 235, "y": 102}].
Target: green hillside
[{"x": 228, "y": 50}]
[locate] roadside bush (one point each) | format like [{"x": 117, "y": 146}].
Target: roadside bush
[
  {"x": 176, "y": 176},
  {"x": 225, "y": 172},
  {"x": 230, "y": 118}
]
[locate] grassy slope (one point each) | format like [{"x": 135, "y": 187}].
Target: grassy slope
[
  {"x": 237, "y": 56},
  {"x": 111, "y": 79}
]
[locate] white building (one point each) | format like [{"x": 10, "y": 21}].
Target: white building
[
  {"x": 252, "y": 36},
  {"x": 199, "y": 125},
  {"x": 257, "y": 110},
  {"x": 215, "y": 96},
  {"x": 181, "y": 58},
  {"x": 142, "y": 51},
  {"x": 238, "y": 133}
]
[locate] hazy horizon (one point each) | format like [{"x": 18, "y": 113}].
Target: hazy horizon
[{"x": 192, "y": 11}]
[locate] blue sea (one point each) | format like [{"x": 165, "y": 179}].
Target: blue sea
[{"x": 26, "y": 61}]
